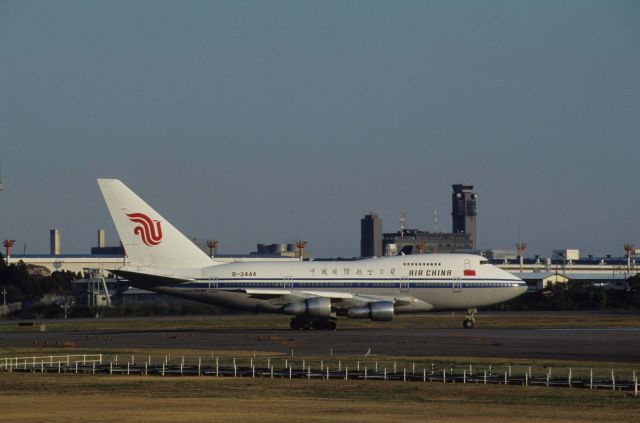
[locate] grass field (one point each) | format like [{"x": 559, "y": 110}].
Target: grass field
[
  {"x": 428, "y": 321},
  {"x": 53, "y": 398},
  {"x": 35, "y": 397}
]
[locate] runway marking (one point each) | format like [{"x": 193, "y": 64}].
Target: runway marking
[
  {"x": 594, "y": 329},
  {"x": 276, "y": 340}
]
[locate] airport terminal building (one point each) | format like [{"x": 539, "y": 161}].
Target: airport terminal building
[
  {"x": 462, "y": 238},
  {"x": 563, "y": 266}
]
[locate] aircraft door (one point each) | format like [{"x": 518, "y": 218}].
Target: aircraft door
[
  {"x": 213, "y": 283},
  {"x": 456, "y": 284},
  {"x": 287, "y": 282},
  {"x": 404, "y": 285}
]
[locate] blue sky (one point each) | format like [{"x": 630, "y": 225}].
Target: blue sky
[{"x": 256, "y": 122}]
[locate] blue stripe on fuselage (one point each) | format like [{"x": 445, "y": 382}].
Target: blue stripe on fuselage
[{"x": 310, "y": 284}]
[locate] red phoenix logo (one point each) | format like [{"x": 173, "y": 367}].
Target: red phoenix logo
[{"x": 151, "y": 235}]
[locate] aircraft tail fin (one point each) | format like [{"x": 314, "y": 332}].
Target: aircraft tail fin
[{"x": 147, "y": 237}]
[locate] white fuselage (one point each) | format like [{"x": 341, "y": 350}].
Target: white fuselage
[{"x": 437, "y": 281}]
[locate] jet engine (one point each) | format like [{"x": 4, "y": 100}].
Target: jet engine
[
  {"x": 313, "y": 307},
  {"x": 378, "y": 311}
]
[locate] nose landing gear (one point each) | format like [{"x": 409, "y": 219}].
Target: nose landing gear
[{"x": 469, "y": 319}]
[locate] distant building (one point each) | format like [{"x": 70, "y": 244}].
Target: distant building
[
  {"x": 500, "y": 254},
  {"x": 409, "y": 241},
  {"x": 95, "y": 291},
  {"x": 412, "y": 241},
  {"x": 566, "y": 254},
  {"x": 463, "y": 211},
  {"x": 277, "y": 250},
  {"x": 69, "y": 262},
  {"x": 108, "y": 251},
  {"x": 371, "y": 236},
  {"x": 537, "y": 281},
  {"x": 54, "y": 242},
  {"x": 98, "y": 292}
]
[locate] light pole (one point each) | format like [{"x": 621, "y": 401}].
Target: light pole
[
  {"x": 301, "y": 246},
  {"x": 564, "y": 262},
  {"x": 213, "y": 247},
  {"x": 4, "y": 302},
  {"x": 8, "y": 243},
  {"x": 65, "y": 306},
  {"x": 521, "y": 247},
  {"x": 628, "y": 248}
]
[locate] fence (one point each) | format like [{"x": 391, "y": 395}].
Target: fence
[{"x": 332, "y": 368}]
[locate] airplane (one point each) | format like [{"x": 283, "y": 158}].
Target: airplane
[{"x": 314, "y": 293}]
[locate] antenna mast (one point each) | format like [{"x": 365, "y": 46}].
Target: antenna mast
[
  {"x": 521, "y": 246},
  {"x": 435, "y": 221},
  {"x": 403, "y": 222},
  {"x": 1, "y": 186}
]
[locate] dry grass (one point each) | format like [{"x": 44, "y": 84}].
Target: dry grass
[
  {"x": 427, "y": 321},
  {"x": 70, "y": 398},
  {"x": 53, "y": 398}
]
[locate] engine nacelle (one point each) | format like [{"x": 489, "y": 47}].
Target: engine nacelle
[
  {"x": 379, "y": 311},
  {"x": 313, "y": 307}
]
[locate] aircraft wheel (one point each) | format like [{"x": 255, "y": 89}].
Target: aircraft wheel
[
  {"x": 295, "y": 324},
  {"x": 306, "y": 325},
  {"x": 467, "y": 324},
  {"x": 318, "y": 324},
  {"x": 331, "y": 325}
]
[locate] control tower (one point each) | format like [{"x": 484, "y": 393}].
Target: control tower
[
  {"x": 463, "y": 211},
  {"x": 371, "y": 236}
]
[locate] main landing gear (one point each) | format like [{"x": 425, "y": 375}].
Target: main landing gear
[
  {"x": 298, "y": 323},
  {"x": 469, "y": 319}
]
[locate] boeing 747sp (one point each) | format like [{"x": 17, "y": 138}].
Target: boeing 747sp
[{"x": 163, "y": 260}]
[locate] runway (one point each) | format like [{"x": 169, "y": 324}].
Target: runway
[{"x": 615, "y": 345}]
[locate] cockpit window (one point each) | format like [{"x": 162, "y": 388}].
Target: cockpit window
[{"x": 484, "y": 261}]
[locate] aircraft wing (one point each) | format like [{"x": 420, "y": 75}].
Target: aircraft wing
[
  {"x": 338, "y": 299},
  {"x": 289, "y": 294},
  {"x": 264, "y": 294}
]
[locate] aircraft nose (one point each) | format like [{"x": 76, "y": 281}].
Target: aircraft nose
[
  {"x": 522, "y": 286},
  {"x": 519, "y": 286}
]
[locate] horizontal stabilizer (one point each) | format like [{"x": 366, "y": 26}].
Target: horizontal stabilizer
[{"x": 148, "y": 281}]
